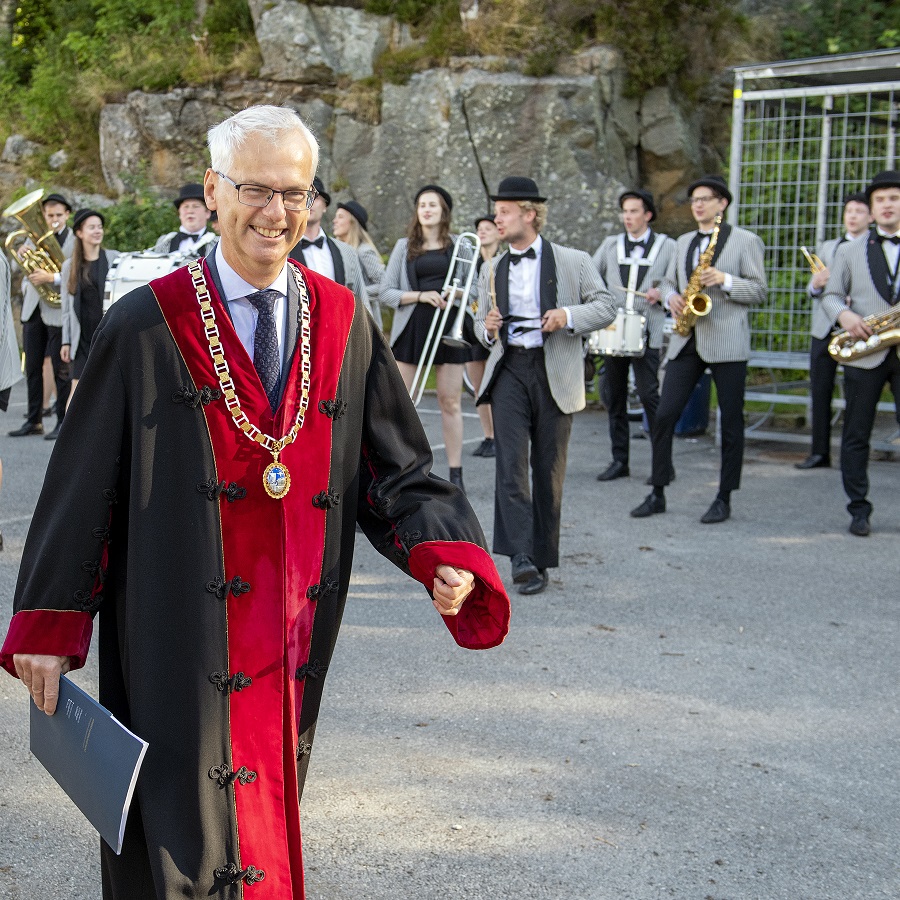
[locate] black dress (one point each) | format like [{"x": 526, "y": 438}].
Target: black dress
[
  {"x": 89, "y": 315},
  {"x": 431, "y": 272}
]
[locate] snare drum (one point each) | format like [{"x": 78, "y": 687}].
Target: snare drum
[
  {"x": 133, "y": 270},
  {"x": 626, "y": 336}
]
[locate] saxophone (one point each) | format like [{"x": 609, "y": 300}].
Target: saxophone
[
  {"x": 696, "y": 303},
  {"x": 885, "y": 333}
]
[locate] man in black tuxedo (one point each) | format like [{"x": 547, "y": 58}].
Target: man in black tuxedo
[{"x": 193, "y": 238}]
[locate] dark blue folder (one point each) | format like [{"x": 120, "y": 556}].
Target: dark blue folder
[{"x": 93, "y": 757}]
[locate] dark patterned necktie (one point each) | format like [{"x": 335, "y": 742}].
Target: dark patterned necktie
[{"x": 266, "y": 357}]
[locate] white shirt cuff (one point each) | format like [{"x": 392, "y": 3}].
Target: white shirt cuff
[
  {"x": 727, "y": 284},
  {"x": 569, "y": 324}
]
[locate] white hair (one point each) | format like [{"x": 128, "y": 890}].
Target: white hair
[{"x": 270, "y": 123}]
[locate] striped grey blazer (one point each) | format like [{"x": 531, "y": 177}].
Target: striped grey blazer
[
  {"x": 50, "y": 315},
  {"x": 724, "y": 334},
  {"x": 10, "y": 361},
  {"x": 821, "y": 325},
  {"x": 372, "y": 269},
  {"x": 646, "y": 272},
  {"x": 71, "y": 326},
  {"x": 570, "y": 279},
  {"x": 859, "y": 271}
]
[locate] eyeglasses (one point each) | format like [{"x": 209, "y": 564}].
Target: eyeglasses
[
  {"x": 259, "y": 196},
  {"x": 695, "y": 200}
]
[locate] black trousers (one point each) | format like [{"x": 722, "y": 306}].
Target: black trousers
[
  {"x": 646, "y": 382},
  {"x": 528, "y": 429},
  {"x": 42, "y": 340},
  {"x": 863, "y": 389},
  {"x": 822, "y": 370},
  {"x": 682, "y": 375}
]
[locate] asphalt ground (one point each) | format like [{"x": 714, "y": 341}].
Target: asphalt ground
[{"x": 688, "y": 711}]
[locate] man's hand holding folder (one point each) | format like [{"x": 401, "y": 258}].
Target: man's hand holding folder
[{"x": 40, "y": 674}]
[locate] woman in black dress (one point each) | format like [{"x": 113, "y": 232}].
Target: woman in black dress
[
  {"x": 82, "y": 283},
  {"x": 412, "y": 286}
]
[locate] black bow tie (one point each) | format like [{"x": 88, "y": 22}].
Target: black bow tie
[
  {"x": 318, "y": 242},
  {"x": 516, "y": 258},
  {"x": 193, "y": 237},
  {"x": 891, "y": 238},
  {"x": 630, "y": 244}
]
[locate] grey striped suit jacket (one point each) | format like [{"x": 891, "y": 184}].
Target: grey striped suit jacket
[
  {"x": 570, "y": 279},
  {"x": 821, "y": 325},
  {"x": 51, "y": 316},
  {"x": 859, "y": 268},
  {"x": 724, "y": 334},
  {"x": 10, "y": 361},
  {"x": 372, "y": 269},
  {"x": 608, "y": 258}
]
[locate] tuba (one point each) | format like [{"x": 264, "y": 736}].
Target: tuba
[
  {"x": 696, "y": 303},
  {"x": 45, "y": 252},
  {"x": 885, "y": 333}
]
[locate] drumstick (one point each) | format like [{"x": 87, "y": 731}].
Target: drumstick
[
  {"x": 626, "y": 291},
  {"x": 493, "y": 288}
]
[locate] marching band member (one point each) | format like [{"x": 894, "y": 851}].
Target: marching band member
[
  {"x": 81, "y": 291},
  {"x": 412, "y": 285},
  {"x": 42, "y": 328},
  {"x": 487, "y": 232},
  {"x": 635, "y": 260},
  {"x": 350, "y": 225},
  {"x": 867, "y": 271},
  {"x": 734, "y": 281},
  {"x": 547, "y": 297},
  {"x": 328, "y": 257},
  {"x": 822, "y": 366},
  {"x": 193, "y": 237}
]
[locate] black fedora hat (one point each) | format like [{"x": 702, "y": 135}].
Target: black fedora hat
[
  {"x": 357, "y": 210},
  {"x": 644, "y": 196},
  {"x": 189, "y": 192},
  {"x": 56, "y": 198},
  {"x": 857, "y": 197},
  {"x": 486, "y": 218},
  {"x": 84, "y": 214},
  {"x": 434, "y": 189},
  {"x": 888, "y": 179},
  {"x": 715, "y": 183},
  {"x": 317, "y": 184},
  {"x": 517, "y": 187}
]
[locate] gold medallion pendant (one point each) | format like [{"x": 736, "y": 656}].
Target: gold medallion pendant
[{"x": 276, "y": 479}]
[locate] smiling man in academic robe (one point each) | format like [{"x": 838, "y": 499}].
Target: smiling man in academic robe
[{"x": 236, "y": 420}]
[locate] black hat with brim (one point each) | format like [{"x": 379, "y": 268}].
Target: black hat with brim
[
  {"x": 517, "y": 187},
  {"x": 84, "y": 214},
  {"x": 882, "y": 180},
  {"x": 56, "y": 198},
  {"x": 715, "y": 183},
  {"x": 488, "y": 218},
  {"x": 320, "y": 188},
  {"x": 357, "y": 210},
  {"x": 434, "y": 189},
  {"x": 644, "y": 196},
  {"x": 190, "y": 192}
]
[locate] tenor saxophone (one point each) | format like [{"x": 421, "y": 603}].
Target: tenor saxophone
[
  {"x": 696, "y": 303},
  {"x": 885, "y": 333}
]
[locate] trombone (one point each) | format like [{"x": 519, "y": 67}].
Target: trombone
[{"x": 463, "y": 262}]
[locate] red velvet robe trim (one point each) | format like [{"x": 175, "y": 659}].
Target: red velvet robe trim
[
  {"x": 276, "y": 546},
  {"x": 52, "y": 632},
  {"x": 483, "y": 619}
]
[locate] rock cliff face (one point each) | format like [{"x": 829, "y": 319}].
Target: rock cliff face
[{"x": 464, "y": 127}]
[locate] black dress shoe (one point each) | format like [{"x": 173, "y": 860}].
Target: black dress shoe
[
  {"x": 615, "y": 469},
  {"x": 536, "y": 584},
  {"x": 26, "y": 429},
  {"x": 814, "y": 461},
  {"x": 860, "y": 525},
  {"x": 455, "y": 478},
  {"x": 649, "y": 481},
  {"x": 523, "y": 569},
  {"x": 46, "y": 411},
  {"x": 649, "y": 507},
  {"x": 718, "y": 511},
  {"x": 485, "y": 448},
  {"x": 53, "y": 435}
]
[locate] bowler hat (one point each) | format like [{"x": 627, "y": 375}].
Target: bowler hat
[
  {"x": 517, "y": 187},
  {"x": 190, "y": 192},
  {"x": 882, "y": 180},
  {"x": 858, "y": 197},
  {"x": 56, "y": 198},
  {"x": 434, "y": 189},
  {"x": 317, "y": 184},
  {"x": 83, "y": 214},
  {"x": 644, "y": 196},
  {"x": 714, "y": 183},
  {"x": 487, "y": 218},
  {"x": 357, "y": 210}
]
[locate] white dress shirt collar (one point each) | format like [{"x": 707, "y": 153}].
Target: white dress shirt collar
[{"x": 235, "y": 287}]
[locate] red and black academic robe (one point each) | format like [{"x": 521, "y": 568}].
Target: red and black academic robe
[{"x": 219, "y": 605}]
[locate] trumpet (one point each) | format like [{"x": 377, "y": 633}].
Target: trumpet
[
  {"x": 815, "y": 264},
  {"x": 46, "y": 253},
  {"x": 466, "y": 252}
]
